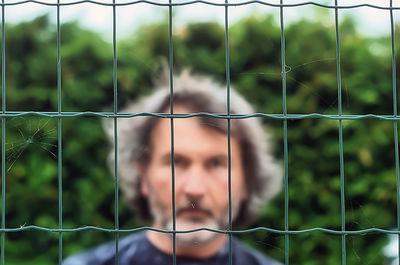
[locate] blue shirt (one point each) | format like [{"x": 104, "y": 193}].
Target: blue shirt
[{"x": 136, "y": 249}]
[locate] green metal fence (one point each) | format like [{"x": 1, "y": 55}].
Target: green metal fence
[{"x": 284, "y": 117}]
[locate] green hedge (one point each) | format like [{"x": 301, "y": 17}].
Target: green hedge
[{"x": 87, "y": 85}]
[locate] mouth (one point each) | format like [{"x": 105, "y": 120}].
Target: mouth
[{"x": 194, "y": 213}]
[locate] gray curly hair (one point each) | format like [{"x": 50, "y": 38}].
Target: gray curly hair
[{"x": 263, "y": 174}]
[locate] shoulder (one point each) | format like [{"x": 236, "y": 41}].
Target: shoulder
[
  {"x": 250, "y": 256},
  {"x": 105, "y": 253}
]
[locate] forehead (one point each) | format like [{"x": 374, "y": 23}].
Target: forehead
[
  {"x": 192, "y": 135},
  {"x": 188, "y": 133}
]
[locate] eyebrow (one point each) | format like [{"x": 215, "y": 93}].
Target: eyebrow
[
  {"x": 167, "y": 157},
  {"x": 223, "y": 158}
]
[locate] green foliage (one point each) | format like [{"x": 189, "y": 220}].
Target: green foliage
[{"x": 255, "y": 65}]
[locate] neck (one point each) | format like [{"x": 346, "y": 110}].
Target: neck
[{"x": 164, "y": 243}]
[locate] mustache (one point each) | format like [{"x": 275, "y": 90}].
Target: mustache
[{"x": 192, "y": 206}]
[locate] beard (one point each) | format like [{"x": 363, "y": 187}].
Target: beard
[
  {"x": 184, "y": 222},
  {"x": 193, "y": 238}
]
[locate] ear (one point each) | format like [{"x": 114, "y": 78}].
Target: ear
[{"x": 141, "y": 170}]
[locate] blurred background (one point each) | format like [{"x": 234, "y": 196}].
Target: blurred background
[{"x": 255, "y": 67}]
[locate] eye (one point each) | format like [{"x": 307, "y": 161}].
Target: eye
[
  {"x": 180, "y": 161},
  {"x": 217, "y": 163}
]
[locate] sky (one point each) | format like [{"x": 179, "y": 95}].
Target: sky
[{"x": 371, "y": 21}]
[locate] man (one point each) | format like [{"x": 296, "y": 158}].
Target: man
[{"x": 201, "y": 168}]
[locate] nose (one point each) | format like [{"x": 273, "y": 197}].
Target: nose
[{"x": 194, "y": 185}]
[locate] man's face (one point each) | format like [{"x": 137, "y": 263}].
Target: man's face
[{"x": 201, "y": 178}]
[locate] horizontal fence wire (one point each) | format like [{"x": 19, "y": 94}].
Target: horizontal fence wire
[
  {"x": 201, "y": 114},
  {"x": 184, "y": 3},
  {"x": 266, "y": 229},
  {"x": 285, "y": 117}
]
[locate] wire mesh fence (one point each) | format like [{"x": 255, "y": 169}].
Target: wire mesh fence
[{"x": 283, "y": 117}]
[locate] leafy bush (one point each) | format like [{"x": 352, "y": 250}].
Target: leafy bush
[{"x": 314, "y": 175}]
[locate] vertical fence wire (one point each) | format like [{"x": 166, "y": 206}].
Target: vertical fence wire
[
  {"x": 340, "y": 112},
  {"x": 3, "y": 132},
  {"x": 396, "y": 139},
  {"x": 60, "y": 203},
  {"x": 115, "y": 89},
  {"x": 285, "y": 141},
  {"x": 228, "y": 112},
  {"x": 171, "y": 87}
]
